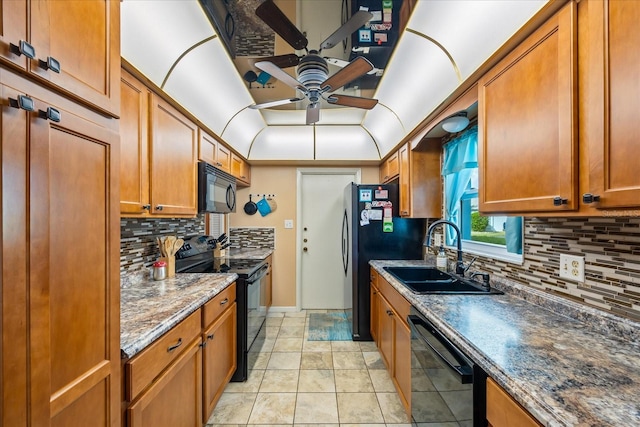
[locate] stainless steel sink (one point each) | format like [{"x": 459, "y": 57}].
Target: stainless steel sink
[{"x": 429, "y": 280}]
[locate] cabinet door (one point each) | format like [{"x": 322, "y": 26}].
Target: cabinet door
[
  {"x": 612, "y": 102},
  {"x": 15, "y": 262},
  {"x": 84, "y": 37},
  {"x": 74, "y": 275},
  {"x": 402, "y": 362},
  {"x": 503, "y": 411},
  {"x": 13, "y": 29},
  {"x": 223, "y": 158},
  {"x": 240, "y": 169},
  {"x": 134, "y": 142},
  {"x": 527, "y": 139},
  {"x": 385, "y": 332},
  {"x": 405, "y": 179},
  {"x": 175, "y": 398},
  {"x": 174, "y": 142},
  {"x": 207, "y": 148},
  {"x": 219, "y": 358}
]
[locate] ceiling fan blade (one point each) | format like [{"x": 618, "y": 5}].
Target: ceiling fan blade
[
  {"x": 278, "y": 21},
  {"x": 342, "y": 63},
  {"x": 282, "y": 61},
  {"x": 274, "y": 103},
  {"x": 356, "y": 21},
  {"x": 313, "y": 113},
  {"x": 276, "y": 72},
  {"x": 352, "y": 101},
  {"x": 355, "y": 69}
]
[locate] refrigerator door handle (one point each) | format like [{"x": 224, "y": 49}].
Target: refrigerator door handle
[{"x": 345, "y": 242}]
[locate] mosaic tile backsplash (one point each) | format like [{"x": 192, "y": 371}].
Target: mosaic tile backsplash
[
  {"x": 250, "y": 237},
  {"x": 611, "y": 247},
  {"x": 138, "y": 248}
]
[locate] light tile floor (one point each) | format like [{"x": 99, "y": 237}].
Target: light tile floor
[{"x": 299, "y": 382}]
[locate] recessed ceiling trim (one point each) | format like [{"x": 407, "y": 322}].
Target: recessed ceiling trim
[
  {"x": 392, "y": 112},
  {"x": 177, "y": 61},
  {"x": 375, "y": 141},
  {"x": 446, "y": 52},
  {"x": 253, "y": 141}
]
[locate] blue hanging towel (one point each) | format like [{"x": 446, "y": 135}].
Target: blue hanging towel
[{"x": 263, "y": 207}]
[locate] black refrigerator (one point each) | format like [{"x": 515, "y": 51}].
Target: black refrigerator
[{"x": 369, "y": 232}]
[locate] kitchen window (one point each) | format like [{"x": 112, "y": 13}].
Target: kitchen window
[{"x": 488, "y": 235}]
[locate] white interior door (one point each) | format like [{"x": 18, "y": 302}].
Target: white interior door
[{"x": 321, "y": 199}]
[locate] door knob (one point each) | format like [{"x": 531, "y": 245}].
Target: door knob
[{"x": 304, "y": 249}]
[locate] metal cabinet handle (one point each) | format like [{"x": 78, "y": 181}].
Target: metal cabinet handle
[
  {"x": 559, "y": 201},
  {"x": 23, "y": 48},
  {"x": 389, "y": 313},
  {"x": 590, "y": 198},
  {"x": 50, "y": 64},
  {"x": 210, "y": 337},
  {"x": 50, "y": 114},
  {"x": 146, "y": 207},
  {"x": 159, "y": 207},
  {"x": 224, "y": 301},
  {"x": 176, "y": 345},
  {"x": 23, "y": 102}
]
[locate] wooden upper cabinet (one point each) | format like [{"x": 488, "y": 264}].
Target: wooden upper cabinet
[
  {"x": 527, "y": 115},
  {"x": 223, "y": 158},
  {"x": 390, "y": 168},
  {"x": 420, "y": 180},
  {"x": 207, "y": 148},
  {"x": 241, "y": 170},
  {"x": 84, "y": 38},
  {"x": 610, "y": 103},
  {"x": 13, "y": 29},
  {"x": 134, "y": 143},
  {"x": 174, "y": 142}
]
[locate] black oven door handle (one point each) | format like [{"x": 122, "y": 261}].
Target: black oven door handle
[
  {"x": 462, "y": 368},
  {"x": 258, "y": 275}
]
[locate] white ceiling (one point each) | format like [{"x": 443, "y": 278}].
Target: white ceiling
[{"x": 174, "y": 45}]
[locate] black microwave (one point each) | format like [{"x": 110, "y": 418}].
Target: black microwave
[{"x": 216, "y": 190}]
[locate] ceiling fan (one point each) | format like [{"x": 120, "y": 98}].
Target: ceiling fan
[{"x": 313, "y": 79}]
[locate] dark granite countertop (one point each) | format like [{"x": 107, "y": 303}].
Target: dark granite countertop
[
  {"x": 569, "y": 365},
  {"x": 150, "y": 308},
  {"x": 247, "y": 253}
]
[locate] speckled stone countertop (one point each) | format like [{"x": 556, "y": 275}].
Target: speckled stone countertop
[
  {"x": 247, "y": 253},
  {"x": 150, "y": 308},
  {"x": 565, "y": 364}
]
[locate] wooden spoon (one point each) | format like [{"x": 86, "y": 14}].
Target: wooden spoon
[{"x": 177, "y": 245}]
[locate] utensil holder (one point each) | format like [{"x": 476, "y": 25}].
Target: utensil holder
[
  {"x": 219, "y": 253},
  {"x": 171, "y": 265}
]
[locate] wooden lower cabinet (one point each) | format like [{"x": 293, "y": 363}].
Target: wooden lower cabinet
[
  {"x": 503, "y": 411},
  {"x": 219, "y": 359},
  {"x": 374, "y": 305},
  {"x": 175, "y": 398},
  {"x": 393, "y": 335}
]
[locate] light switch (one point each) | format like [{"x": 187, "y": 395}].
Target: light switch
[{"x": 288, "y": 223}]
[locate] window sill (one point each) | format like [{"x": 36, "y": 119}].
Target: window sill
[{"x": 491, "y": 251}]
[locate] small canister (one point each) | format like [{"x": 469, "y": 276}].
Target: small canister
[{"x": 159, "y": 270}]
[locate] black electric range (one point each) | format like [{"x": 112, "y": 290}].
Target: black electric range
[{"x": 250, "y": 299}]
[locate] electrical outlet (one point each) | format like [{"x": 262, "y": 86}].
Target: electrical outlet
[
  {"x": 572, "y": 267},
  {"x": 288, "y": 223}
]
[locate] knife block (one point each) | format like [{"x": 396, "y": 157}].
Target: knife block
[
  {"x": 219, "y": 253},
  {"x": 171, "y": 265}
]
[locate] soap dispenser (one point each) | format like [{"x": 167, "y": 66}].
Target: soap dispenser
[{"x": 441, "y": 260}]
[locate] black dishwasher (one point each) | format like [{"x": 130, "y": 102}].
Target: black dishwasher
[{"x": 446, "y": 386}]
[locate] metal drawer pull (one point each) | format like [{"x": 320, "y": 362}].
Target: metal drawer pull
[
  {"x": 176, "y": 345},
  {"x": 23, "y": 102},
  {"x": 23, "y": 48},
  {"x": 224, "y": 301},
  {"x": 559, "y": 201},
  {"x": 210, "y": 337},
  {"x": 51, "y": 64},
  {"x": 389, "y": 313},
  {"x": 50, "y": 114}
]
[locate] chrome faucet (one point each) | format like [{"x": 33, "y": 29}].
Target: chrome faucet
[{"x": 460, "y": 270}]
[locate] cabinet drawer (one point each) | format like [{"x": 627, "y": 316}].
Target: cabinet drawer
[
  {"x": 502, "y": 410},
  {"x": 397, "y": 301},
  {"x": 147, "y": 365},
  {"x": 217, "y": 305}
]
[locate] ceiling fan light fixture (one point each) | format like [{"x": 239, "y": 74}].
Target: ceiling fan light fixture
[{"x": 455, "y": 123}]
